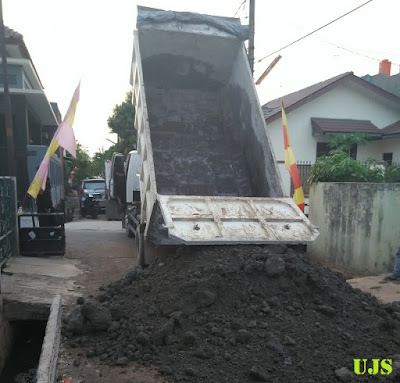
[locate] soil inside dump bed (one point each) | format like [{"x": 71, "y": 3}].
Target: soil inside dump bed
[
  {"x": 241, "y": 314},
  {"x": 194, "y": 149}
]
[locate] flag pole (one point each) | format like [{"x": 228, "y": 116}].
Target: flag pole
[{"x": 62, "y": 172}]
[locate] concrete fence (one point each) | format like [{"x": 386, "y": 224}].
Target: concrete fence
[
  {"x": 46, "y": 372},
  {"x": 359, "y": 225}
]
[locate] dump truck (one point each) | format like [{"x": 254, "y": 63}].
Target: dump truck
[
  {"x": 207, "y": 173},
  {"x": 113, "y": 206}
]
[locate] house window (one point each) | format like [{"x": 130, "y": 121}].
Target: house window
[
  {"x": 323, "y": 149},
  {"x": 388, "y": 158},
  {"x": 12, "y": 80},
  {"x": 353, "y": 152},
  {"x": 303, "y": 168}
]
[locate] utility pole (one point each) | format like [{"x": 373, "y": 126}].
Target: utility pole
[
  {"x": 7, "y": 100},
  {"x": 251, "y": 36}
]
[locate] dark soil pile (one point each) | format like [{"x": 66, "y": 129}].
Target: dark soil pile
[{"x": 240, "y": 314}]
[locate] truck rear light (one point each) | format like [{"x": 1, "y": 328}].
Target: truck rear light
[{"x": 81, "y": 190}]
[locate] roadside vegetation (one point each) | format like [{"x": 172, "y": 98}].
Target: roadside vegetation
[
  {"x": 339, "y": 166},
  {"x": 121, "y": 122}
]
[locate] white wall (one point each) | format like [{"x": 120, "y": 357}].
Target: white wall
[
  {"x": 347, "y": 101},
  {"x": 375, "y": 149},
  {"x": 392, "y": 146}
]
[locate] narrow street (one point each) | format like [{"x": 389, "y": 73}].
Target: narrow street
[
  {"x": 103, "y": 250},
  {"x": 105, "y": 254}
]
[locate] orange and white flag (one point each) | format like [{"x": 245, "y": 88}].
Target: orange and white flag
[{"x": 291, "y": 166}]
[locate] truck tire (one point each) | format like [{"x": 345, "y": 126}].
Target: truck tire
[
  {"x": 126, "y": 226},
  {"x": 95, "y": 213},
  {"x": 139, "y": 244}
]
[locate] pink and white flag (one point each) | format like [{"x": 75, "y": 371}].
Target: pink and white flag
[{"x": 64, "y": 137}]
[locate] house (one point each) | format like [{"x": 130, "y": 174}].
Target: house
[
  {"x": 384, "y": 80},
  {"x": 342, "y": 104},
  {"x": 34, "y": 118}
]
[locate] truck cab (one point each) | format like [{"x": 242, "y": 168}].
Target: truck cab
[
  {"x": 132, "y": 210},
  {"x": 124, "y": 189}
]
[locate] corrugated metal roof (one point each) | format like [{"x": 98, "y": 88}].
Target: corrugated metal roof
[
  {"x": 11, "y": 34},
  {"x": 15, "y": 38}
]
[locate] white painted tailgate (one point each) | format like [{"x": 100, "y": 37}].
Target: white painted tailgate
[{"x": 199, "y": 220}]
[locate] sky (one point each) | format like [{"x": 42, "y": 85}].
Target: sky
[{"x": 91, "y": 41}]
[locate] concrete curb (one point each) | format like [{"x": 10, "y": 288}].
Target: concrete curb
[{"x": 46, "y": 372}]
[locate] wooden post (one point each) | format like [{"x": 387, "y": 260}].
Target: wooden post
[{"x": 266, "y": 72}]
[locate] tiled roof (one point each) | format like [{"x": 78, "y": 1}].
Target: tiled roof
[
  {"x": 392, "y": 129},
  {"x": 389, "y": 83},
  {"x": 274, "y": 106},
  {"x": 331, "y": 125},
  {"x": 294, "y": 100}
]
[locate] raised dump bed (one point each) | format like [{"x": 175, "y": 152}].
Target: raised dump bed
[{"x": 208, "y": 172}]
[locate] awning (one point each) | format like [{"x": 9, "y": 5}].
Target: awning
[
  {"x": 332, "y": 126},
  {"x": 39, "y": 104}
]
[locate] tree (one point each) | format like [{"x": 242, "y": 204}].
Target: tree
[
  {"x": 121, "y": 122},
  {"x": 346, "y": 141},
  {"x": 83, "y": 164},
  {"x": 99, "y": 158}
]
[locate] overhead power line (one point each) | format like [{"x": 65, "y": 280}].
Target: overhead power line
[
  {"x": 360, "y": 54},
  {"x": 314, "y": 31}
]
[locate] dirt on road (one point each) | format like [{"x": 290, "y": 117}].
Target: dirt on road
[
  {"x": 231, "y": 314},
  {"x": 103, "y": 251}
]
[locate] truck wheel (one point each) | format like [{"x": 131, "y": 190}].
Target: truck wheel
[
  {"x": 126, "y": 226},
  {"x": 95, "y": 213},
  {"x": 139, "y": 244}
]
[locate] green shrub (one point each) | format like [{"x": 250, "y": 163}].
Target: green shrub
[
  {"x": 392, "y": 173},
  {"x": 339, "y": 167}
]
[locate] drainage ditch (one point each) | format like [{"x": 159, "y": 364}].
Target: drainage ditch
[{"x": 24, "y": 355}]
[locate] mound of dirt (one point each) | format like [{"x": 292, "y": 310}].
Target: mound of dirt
[{"x": 242, "y": 314}]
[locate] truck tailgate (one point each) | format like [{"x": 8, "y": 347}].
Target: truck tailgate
[{"x": 200, "y": 220}]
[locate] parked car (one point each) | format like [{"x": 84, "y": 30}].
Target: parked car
[{"x": 96, "y": 188}]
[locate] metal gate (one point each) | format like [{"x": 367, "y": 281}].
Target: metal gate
[{"x": 8, "y": 219}]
